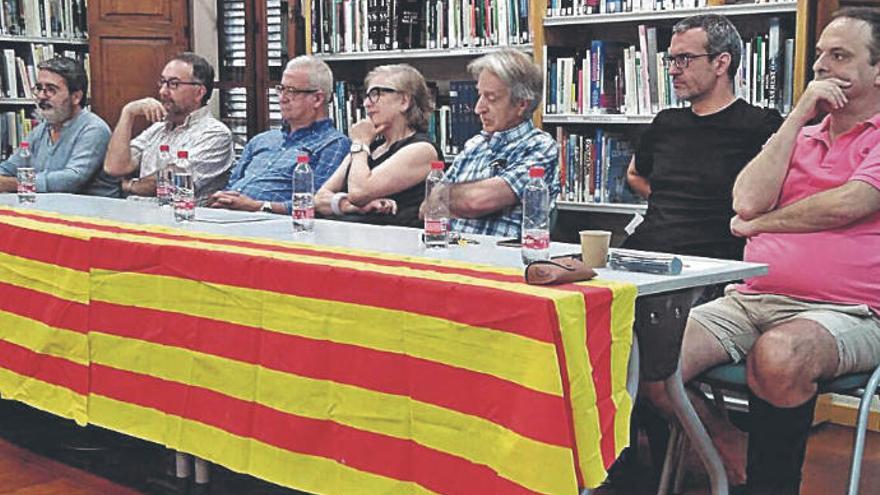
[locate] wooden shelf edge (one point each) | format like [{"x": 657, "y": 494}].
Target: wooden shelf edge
[{"x": 651, "y": 15}]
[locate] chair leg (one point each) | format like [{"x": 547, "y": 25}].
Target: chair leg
[
  {"x": 680, "y": 464},
  {"x": 669, "y": 459},
  {"x": 855, "y": 470}
]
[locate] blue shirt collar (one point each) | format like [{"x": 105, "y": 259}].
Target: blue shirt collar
[{"x": 316, "y": 126}]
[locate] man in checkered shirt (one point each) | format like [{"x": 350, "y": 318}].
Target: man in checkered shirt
[{"x": 489, "y": 176}]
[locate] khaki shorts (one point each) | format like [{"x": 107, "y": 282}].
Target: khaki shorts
[{"x": 737, "y": 320}]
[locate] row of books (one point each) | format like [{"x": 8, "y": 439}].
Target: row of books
[
  {"x": 615, "y": 77},
  {"x": 561, "y": 8},
  {"x": 450, "y": 125},
  {"x": 592, "y": 167},
  {"x": 345, "y": 26},
  {"x": 57, "y": 18},
  {"x": 14, "y": 128},
  {"x": 19, "y": 73}
]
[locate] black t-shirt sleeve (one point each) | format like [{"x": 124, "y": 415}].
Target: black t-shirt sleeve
[
  {"x": 645, "y": 154},
  {"x": 772, "y": 121}
]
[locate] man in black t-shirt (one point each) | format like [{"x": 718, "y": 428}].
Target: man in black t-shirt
[{"x": 689, "y": 158}]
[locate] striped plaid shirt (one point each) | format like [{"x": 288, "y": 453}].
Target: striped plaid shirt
[
  {"x": 265, "y": 170},
  {"x": 508, "y": 155}
]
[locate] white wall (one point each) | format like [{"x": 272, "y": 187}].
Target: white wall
[{"x": 204, "y": 42}]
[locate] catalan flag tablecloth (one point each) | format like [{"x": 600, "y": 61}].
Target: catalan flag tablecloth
[{"x": 327, "y": 370}]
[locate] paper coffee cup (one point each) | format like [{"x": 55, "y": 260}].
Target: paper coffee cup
[{"x": 594, "y": 247}]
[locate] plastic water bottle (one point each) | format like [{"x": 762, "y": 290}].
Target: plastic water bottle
[
  {"x": 26, "y": 175},
  {"x": 536, "y": 218},
  {"x": 436, "y": 234},
  {"x": 164, "y": 176},
  {"x": 303, "y": 196},
  {"x": 183, "y": 196}
]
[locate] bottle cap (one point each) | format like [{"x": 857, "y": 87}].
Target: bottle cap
[
  {"x": 25, "y": 144},
  {"x": 182, "y": 154},
  {"x": 536, "y": 171},
  {"x": 437, "y": 165},
  {"x": 302, "y": 158},
  {"x": 164, "y": 147}
]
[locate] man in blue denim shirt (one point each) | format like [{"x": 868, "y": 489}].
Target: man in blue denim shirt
[
  {"x": 262, "y": 178},
  {"x": 490, "y": 174},
  {"x": 68, "y": 146}
]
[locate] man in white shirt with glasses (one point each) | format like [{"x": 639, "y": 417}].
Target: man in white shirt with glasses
[{"x": 181, "y": 120}]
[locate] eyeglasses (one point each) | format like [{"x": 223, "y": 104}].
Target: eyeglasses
[
  {"x": 175, "y": 83},
  {"x": 682, "y": 61},
  {"x": 50, "y": 89},
  {"x": 290, "y": 91},
  {"x": 373, "y": 94}
]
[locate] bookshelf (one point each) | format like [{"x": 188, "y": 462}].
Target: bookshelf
[
  {"x": 575, "y": 119},
  {"x": 419, "y": 53},
  {"x": 445, "y": 44},
  {"x": 622, "y": 208},
  {"x": 734, "y": 10},
  {"x": 32, "y": 31}
]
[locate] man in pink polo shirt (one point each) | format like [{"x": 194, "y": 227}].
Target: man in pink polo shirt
[{"x": 809, "y": 205}]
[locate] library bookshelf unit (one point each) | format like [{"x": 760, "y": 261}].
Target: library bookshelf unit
[
  {"x": 598, "y": 123},
  {"x": 439, "y": 38},
  {"x": 35, "y": 31}
]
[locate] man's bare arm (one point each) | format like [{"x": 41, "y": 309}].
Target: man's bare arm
[
  {"x": 826, "y": 210},
  {"x": 640, "y": 184},
  {"x": 143, "y": 187},
  {"x": 757, "y": 187},
  {"x": 480, "y": 198},
  {"x": 8, "y": 184},
  {"x": 118, "y": 160}
]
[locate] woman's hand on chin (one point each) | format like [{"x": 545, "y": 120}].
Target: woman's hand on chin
[{"x": 364, "y": 131}]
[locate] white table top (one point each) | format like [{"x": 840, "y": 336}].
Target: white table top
[{"x": 388, "y": 239}]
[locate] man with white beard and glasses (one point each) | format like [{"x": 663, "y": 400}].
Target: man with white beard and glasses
[
  {"x": 181, "y": 120},
  {"x": 68, "y": 147}
]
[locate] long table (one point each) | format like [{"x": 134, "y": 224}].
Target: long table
[{"x": 350, "y": 360}]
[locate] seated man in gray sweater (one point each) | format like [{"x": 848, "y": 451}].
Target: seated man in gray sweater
[{"x": 68, "y": 147}]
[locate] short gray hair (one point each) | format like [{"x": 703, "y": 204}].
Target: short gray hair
[
  {"x": 320, "y": 75},
  {"x": 721, "y": 34},
  {"x": 517, "y": 71}
]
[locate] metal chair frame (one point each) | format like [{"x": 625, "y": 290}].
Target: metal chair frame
[{"x": 733, "y": 377}]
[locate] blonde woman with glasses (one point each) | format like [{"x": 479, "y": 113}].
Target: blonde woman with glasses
[{"x": 382, "y": 179}]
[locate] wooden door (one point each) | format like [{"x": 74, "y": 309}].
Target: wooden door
[{"x": 129, "y": 43}]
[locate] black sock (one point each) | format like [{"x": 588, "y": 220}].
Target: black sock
[{"x": 777, "y": 446}]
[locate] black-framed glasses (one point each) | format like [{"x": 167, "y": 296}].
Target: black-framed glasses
[
  {"x": 373, "y": 94},
  {"x": 50, "y": 89},
  {"x": 291, "y": 91},
  {"x": 683, "y": 60},
  {"x": 175, "y": 83}
]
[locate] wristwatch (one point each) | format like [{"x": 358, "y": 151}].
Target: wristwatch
[
  {"x": 131, "y": 183},
  {"x": 358, "y": 147},
  {"x": 266, "y": 207}
]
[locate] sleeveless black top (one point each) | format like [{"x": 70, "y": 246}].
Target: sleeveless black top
[{"x": 408, "y": 200}]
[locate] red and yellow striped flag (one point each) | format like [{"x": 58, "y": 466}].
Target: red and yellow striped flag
[{"x": 329, "y": 370}]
